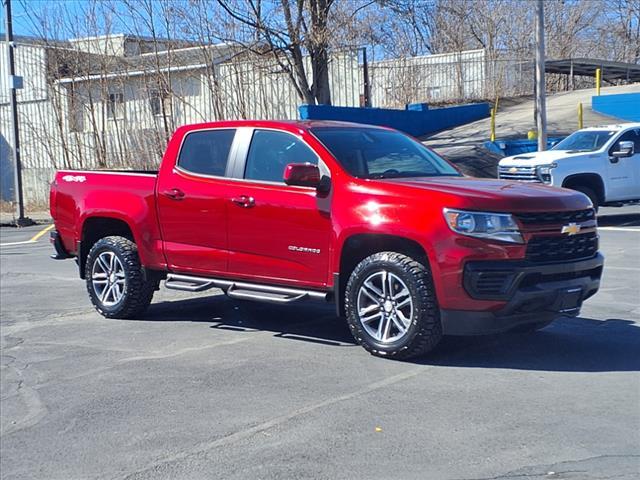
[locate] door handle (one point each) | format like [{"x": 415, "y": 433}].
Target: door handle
[
  {"x": 174, "y": 194},
  {"x": 244, "y": 201}
]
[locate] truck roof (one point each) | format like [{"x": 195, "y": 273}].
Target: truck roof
[
  {"x": 616, "y": 126},
  {"x": 290, "y": 125}
]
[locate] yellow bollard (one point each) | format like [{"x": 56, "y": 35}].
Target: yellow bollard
[
  {"x": 598, "y": 79},
  {"x": 493, "y": 124},
  {"x": 580, "y": 116}
]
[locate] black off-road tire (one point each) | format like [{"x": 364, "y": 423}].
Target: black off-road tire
[
  {"x": 425, "y": 330},
  {"x": 589, "y": 193},
  {"x": 138, "y": 291}
]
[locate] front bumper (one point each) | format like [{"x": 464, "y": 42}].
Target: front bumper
[{"x": 532, "y": 294}]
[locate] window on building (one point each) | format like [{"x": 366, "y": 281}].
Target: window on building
[
  {"x": 115, "y": 106},
  {"x": 76, "y": 110},
  {"x": 160, "y": 102}
]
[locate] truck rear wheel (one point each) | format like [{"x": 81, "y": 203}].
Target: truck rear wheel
[
  {"x": 391, "y": 306},
  {"x": 115, "y": 280}
]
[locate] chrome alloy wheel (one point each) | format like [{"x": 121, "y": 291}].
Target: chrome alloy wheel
[
  {"x": 385, "y": 308},
  {"x": 108, "y": 279}
]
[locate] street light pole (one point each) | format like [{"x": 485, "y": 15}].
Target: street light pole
[
  {"x": 14, "y": 83},
  {"x": 541, "y": 109}
]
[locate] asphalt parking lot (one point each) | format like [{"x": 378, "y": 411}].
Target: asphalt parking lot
[{"x": 207, "y": 387}]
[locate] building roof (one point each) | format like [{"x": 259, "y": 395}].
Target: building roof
[
  {"x": 68, "y": 61},
  {"x": 587, "y": 67},
  {"x": 75, "y": 66}
]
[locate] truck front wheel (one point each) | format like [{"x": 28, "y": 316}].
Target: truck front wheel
[
  {"x": 115, "y": 280},
  {"x": 391, "y": 306}
]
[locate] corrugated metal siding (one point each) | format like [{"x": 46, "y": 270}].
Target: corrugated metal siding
[
  {"x": 30, "y": 63},
  {"x": 397, "y": 82},
  {"x": 39, "y": 149}
]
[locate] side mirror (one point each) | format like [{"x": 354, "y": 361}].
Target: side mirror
[
  {"x": 625, "y": 149},
  {"x": 302, "y": 175}
]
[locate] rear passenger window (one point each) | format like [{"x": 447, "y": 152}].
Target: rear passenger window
[
  {"x": 206, "y": 152},
  {"x": 270, "y": 152}
]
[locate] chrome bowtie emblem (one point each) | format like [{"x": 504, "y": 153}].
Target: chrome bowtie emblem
[
  {"x": 513, "y": 170},
  {"x": 571, "y": 229}
]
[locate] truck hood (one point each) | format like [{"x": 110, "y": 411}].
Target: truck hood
[
  {"x": 542, "y": 158},
  {"x": 497, "y": 195}
]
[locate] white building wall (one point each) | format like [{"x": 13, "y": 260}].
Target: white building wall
[{"x": 40, "y": 153}]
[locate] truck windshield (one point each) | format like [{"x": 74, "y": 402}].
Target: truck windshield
[
  {"x": 376, "y": 153},
  {"x": 585, "y": 141}
]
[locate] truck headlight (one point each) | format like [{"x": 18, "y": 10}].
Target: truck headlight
[
  {"x": 543, "y": 172},
  {"x": 493, "y": 226}
]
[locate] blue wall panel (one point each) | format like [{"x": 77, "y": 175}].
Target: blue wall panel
[
  {"x": 625, "y": 106},
  {"x": 416, "y": 120}
]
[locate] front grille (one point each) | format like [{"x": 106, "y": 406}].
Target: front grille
[
  {"x": 562, "y": 247},
  {"x": 574, "y": 216},
  {"x": 524, "y": 174}
]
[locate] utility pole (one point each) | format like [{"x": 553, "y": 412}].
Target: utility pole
[
  {"x": 14, "y": 83},
  {"x": 541, "y": 109},
  {"x": 365, "y": 73}
]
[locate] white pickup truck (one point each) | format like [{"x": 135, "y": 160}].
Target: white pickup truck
[{"x": 601, "y": 162}]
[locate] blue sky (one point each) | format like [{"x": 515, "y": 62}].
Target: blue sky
[{"x": 24, "y": 10}]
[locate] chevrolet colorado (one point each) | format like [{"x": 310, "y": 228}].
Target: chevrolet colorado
[{"x": 366, "y": 217}]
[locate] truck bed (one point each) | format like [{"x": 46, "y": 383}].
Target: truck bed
[{"x": 127, "y": 196}]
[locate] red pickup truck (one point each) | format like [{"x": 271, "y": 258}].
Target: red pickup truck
[{"x": 366, "y": 217}]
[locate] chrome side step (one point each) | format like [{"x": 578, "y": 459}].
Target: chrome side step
[
  {"x": 187, "y": 283},
  {"x": 244, "y": 290}
]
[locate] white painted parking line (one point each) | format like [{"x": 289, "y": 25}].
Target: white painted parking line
[
  {"x": 33, "y": 239},
  {"x": 620, "y": 229},
  {"x": 10, "y": 244}
]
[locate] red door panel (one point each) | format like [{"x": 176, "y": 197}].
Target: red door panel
[
  {"x": 192, "y": 212},
  {"x": 280, "y": 233}
]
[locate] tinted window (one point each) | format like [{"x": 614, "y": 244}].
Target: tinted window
[
  {"x": 585, "y": 140},
  {"x": 270, "y": 152},
  {"x": 630, "y": 136},
  {"x": 206, "y": 152},
  {"x": 377, "y": 153}
]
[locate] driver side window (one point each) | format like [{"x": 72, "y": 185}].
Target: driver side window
[
  {"x": 271, "y": 151},
  {"x": 630, "y": 136}
]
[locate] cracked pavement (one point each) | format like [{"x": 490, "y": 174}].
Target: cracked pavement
[{"x": 206, "y": 387}]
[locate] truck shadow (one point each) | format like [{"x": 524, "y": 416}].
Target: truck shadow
[
  {"x": 315, "y": 323},
  {"x": 567, "y": 345},
  {"x": 622, "y": 219}
]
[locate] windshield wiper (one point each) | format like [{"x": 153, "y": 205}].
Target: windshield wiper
[
  {"x": 378, "y": 176},
  {"x": 386, "y": 175}
]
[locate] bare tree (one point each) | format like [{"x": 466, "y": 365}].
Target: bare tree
[{"x": 289, "y": 30}]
